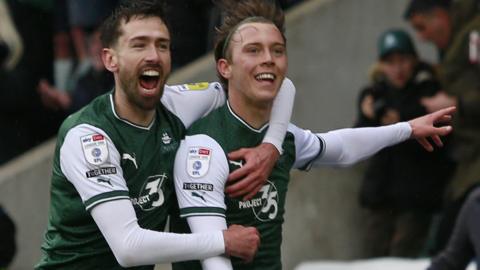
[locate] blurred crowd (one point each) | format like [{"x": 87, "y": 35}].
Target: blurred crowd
[{"x": 413, "y": 198}]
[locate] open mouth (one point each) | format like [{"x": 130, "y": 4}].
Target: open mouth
[
  {"x": 149, "y": 79},
  {"x": 265, "y": 77}
]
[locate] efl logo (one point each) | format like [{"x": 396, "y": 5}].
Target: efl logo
[
  {"x": 203, "y": 151},
  {"x": 97, "y": 137}
]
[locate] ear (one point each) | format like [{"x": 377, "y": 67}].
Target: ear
[
  {"x": 109, "y": 59},
  {"x": 224, "y": 68}
]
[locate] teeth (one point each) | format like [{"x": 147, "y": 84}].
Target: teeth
[
  {"x": 265, "y": 76},
  {"x": 150, "y": 73}
]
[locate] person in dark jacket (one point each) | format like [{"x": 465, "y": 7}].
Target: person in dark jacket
[{"x": 403, "y": 184}]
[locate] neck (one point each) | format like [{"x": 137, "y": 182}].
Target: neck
[
  {"x": 127, "y": 110},
  {"x": 256, "y": 114}
]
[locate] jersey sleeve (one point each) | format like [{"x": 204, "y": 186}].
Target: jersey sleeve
[
  {"x": 91, "y": 162},
  {"x": 308, "y": 147},
  {"x": 191, "y": 102},
  {"x": 201, "y": 170}
]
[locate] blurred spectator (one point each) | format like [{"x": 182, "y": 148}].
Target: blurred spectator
[
  {"x": 74, "y": 19},
  {"x": 21, "y": 113},
  {"x": 7, "y": 239},
  {"x": 454, "y": 28},
  {"x": 403, "y": 184},
  {"x": 94, "y": 81}
]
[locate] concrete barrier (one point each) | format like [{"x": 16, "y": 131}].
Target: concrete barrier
[{"x": 331, "y": 44}]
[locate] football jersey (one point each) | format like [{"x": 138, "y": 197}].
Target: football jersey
[
  {"x": 202, "y": 168},
  {"x": 101, "y": 157}
]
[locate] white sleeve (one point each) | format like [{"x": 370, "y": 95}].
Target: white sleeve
[
  {"x": 202, "y": 224},
  {"x": 308, "y": 147},
  {"x": 200, "y": 172},
  {"x": 91, "y": 162},
  {"x": 191, "y": 102},
  {"x": 133, "y": 245},
  {"x": 348, "y": 146},
  {"x": 281, "y": 114}
]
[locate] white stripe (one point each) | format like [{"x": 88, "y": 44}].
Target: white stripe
[
  {"x": 245, "y": 123},
  {"x": 105, "y": 200},
  {"x": 126, "y": 121},
  {"x": 202, "y": 214}
]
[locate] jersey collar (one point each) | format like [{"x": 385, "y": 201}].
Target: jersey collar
[
  {"x": 112, "y": 105},
  {"x": 260, "y": 130}
]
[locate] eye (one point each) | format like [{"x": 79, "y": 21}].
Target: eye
[
  {"x": 164, "y": 46},
  {"x": 138, "y": 45},
  {"x": 253, "y": 50},
  {"x": 279, "y": 51}
]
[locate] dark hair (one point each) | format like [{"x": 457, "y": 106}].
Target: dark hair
[
  {"x": 424, "y": 6},
  {"x": 235, "y": 13},
  {"x": 126, "y": 10}
]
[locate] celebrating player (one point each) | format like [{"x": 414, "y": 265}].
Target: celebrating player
[{"x": 252, "y": 60}]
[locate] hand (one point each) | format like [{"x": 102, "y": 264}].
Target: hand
[
  {"x": 250, "y": 178},
  {"x": 52, "y": 97},
  {"x": 390, "y": 116},
  {"x": 439, "y": 101},
  {"x": 367, "y": 107},
  {"x": 423, "y": 127},
  {"x": 241, "y": 242}
]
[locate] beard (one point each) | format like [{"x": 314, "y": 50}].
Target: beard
[{"x": 129, "y": 82}]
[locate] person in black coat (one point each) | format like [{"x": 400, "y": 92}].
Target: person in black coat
[{"x": 403, "y": 184}]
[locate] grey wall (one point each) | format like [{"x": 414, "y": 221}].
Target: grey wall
[{"x": 331, "y": 44}]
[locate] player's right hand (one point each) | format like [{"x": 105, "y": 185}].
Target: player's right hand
[{"x": 241, "y": 242}]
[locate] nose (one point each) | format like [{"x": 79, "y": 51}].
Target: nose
[
  {"x": 267, "y": 57},
  {"x": 152, "y": 54}
]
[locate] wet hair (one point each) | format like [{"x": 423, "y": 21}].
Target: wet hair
[
  {"x": 424, "y": 6},
  {"x": 238, "y": 12},
  {"x": 124, "y": 12}
]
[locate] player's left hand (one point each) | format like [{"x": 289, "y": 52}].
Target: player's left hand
[
  {"x": 423, "y": 127},
  {"x": 250, "y": 178}
]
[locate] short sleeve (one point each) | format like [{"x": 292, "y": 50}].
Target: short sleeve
[
  {"x": 192, "y": 101},
  {"x": 201, "y": 170},
  {"x": 91, "y": 162}
]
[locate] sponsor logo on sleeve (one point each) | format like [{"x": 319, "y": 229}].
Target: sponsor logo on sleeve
[
  {"x": 195, "y": 86},
  {"x": 95, "y": 148},
  {"x": 198, "y": 161},
  {"x": 101, "y": 171},
  {"x": 198, "y": 186}
]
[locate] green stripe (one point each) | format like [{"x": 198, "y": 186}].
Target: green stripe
[
  {"x": 202, "y": 211},
  {"x": 107, "y": 196}
]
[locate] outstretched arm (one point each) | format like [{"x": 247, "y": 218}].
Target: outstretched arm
[{"x": 348, "y": 146}]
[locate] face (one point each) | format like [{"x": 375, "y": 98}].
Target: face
[
  {"x": 258, "y": 62},
  {"x": 398, "y": 68},
  {"x": 140, "y": 61},
  {"x": 433, "y": 27}
]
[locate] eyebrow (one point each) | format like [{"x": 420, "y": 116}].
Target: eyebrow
[{"x": 145, "y": 38}]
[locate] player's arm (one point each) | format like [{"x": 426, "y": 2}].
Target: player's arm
[
  {"x": 348, "y": 146},
  {"x": 201, "y": 170},
  {"x": 90, "y": 161}
]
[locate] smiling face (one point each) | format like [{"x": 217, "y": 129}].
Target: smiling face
[
  {"x": 258, "y": 63},
  {"x": 140, "y": 61}
]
